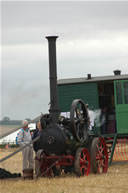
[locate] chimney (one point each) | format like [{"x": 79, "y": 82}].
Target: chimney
[
  {"x": 88, "y": 76},
  {"x": 54, "y": 109},
  {"x": 117, "y": 72}
]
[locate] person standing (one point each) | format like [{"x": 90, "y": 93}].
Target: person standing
[
  {"x": 37, "y": 132},
  {"x": 24, "y": 137},
  {"x": 37, "y": 148}
]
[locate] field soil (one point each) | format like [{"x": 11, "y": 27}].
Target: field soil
[
  {"x": 115, "y": 181},
  {"x": 7, "y": 128}
]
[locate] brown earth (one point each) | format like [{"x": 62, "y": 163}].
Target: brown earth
[{"x": 7, "y": 128}]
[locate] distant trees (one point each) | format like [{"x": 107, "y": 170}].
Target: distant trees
[
  {"x": 28, "y": 119},
  {"x": 6, "y": 119}
]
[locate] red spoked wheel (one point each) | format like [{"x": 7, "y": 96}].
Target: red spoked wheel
[
  {"x": 45, "y": 169},
  {"x": 99, "y": 156},
  {"x": 82, "y": 162}
]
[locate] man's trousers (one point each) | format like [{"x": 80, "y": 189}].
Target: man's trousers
[{"x": 27, "y": 158}]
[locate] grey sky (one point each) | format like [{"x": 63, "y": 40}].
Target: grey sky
[{"x": 93, "y": 38}]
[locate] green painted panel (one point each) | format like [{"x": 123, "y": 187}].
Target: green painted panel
[
  {"x": 87, "y": 92},
  {"x": 121, "y": 105}
]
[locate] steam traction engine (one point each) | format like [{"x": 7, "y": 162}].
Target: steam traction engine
[{"x": 68, "y": 142}]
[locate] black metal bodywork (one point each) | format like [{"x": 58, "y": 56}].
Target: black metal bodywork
[
  {"x": 60, "y": 132},
  {"x": 67, "y": 142}
]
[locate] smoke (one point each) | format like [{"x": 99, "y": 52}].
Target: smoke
[{"x": 96, "y": 118}]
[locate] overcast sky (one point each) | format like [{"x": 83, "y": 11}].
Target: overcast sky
[{"x": 93, "y": 38}]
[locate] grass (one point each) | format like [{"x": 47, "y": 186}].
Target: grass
[{"x": 115, "y": 181}]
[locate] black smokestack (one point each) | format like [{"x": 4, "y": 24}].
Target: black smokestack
[{"x": 54, "y": 109}]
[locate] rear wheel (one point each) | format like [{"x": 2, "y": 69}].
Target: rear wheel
[
  {"x": 45, "y": 169},
  {"x": 82, "y": 162},
  {"x": 99, "y": 156}
]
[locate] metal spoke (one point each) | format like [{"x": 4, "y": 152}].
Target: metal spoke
[{"x": 79, "y": 120}]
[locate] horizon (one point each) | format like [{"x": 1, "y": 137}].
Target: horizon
[{"x": 93, "y": 39}]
